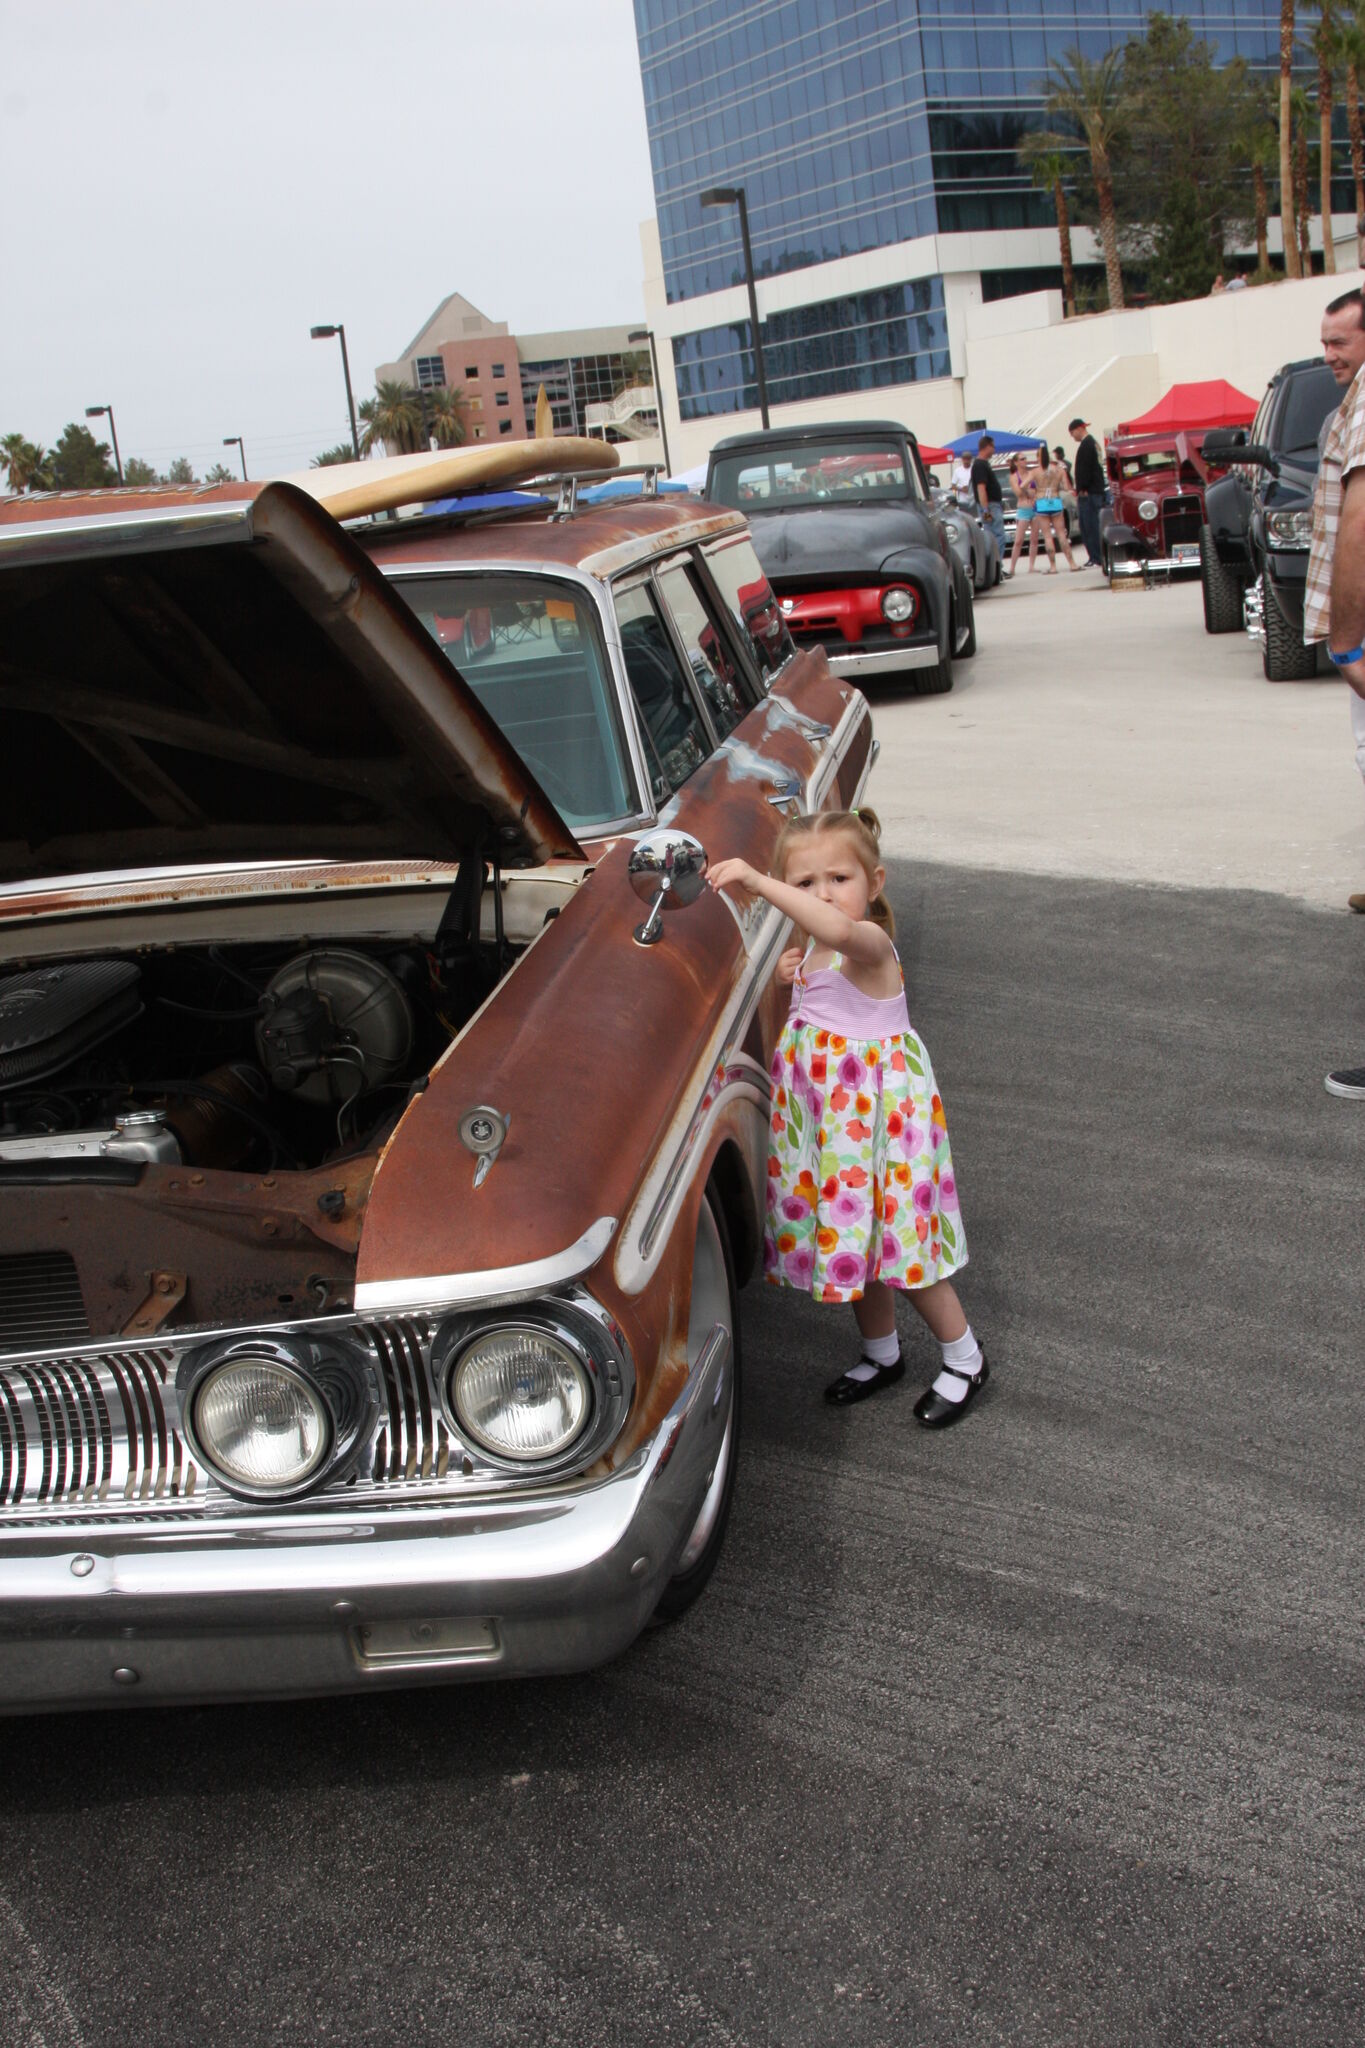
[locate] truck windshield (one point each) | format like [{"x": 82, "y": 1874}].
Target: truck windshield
[
  {"x": 531, "y": 652},
  {"x": 845, "y": 471}
]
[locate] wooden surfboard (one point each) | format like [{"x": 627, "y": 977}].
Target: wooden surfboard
[{"x": 350, "y": 489}]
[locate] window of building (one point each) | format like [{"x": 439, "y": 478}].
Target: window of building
[
  {"x": 503, "y": 399},
  {"x": 430, "y": 372},
  {"x": 478, "y": 433},
  {"x": 471, "y": 373},
  {"x": 498, "y": 370},
  {"x": 504, "y": 426}
]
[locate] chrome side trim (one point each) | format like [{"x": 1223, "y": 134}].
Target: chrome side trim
[
  {"x": 45, "y": 540},
  {"x": 889, "y": 663},
  {"x": 491, "y": 1287}
]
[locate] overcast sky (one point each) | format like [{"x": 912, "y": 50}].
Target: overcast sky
[{"x": 189, "y": 185}]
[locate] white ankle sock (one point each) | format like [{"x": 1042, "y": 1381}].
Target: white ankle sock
[
  {"x": 881, "y": 1351},
  {"x": 963, "y": 1353}
]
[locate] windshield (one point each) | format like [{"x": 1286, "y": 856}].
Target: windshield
[
  {"x": 852, "y": 472},
  {"x": 530, "y": 650},
  {"x": 1146, "y": 461},
  {"x": 1312, "y": 395}
]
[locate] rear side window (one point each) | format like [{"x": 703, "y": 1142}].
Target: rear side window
[
  {"x": 754, "y": 611},
  {"x": 1309, "y": 397},
  {"x": 704, "y": 643},
  {"x": 675, "y": 738}
]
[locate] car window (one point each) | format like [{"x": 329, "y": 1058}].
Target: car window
[
  {"x": 1309, "y": 397},
  {"x": 531, "y": 652},
  {"x": 675, "y": 735},
  {"x": 704, "y": 642},
  {"x": 846, "y": 471},
  {"x": 753, "y": 609}
]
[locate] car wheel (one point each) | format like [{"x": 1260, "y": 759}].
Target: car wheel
[
  {"x": 1283, "y": 654},
  {"x": 714, "y": 1300},
  {"x": 931, "y": 682},
  {"x": 1222, "y": 591},
  {"x": 968, "y": 646}
]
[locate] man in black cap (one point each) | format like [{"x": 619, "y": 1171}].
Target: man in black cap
[{"x": 1090, "y": 489}]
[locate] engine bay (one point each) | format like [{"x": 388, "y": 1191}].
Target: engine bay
[{"x": 251, "y": 1058}]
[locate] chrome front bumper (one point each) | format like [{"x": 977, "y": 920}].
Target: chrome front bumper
[
  {"x": 886, "y": 662},
  {"x": 105, "y": 1615}
]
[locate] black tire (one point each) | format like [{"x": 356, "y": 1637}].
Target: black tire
[
  {"x": 931, "y": 682},
  {"x": 968, "y": 647},
  {"x": 690, "y": 1582},
  {"x": 1283, "y": 654},
  {"x": 1222, "y": 590}
]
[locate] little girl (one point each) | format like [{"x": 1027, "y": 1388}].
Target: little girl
[{"x": 861, "y": 1194}]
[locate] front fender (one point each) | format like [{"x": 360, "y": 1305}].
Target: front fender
[{"x": 927, "y": 568}]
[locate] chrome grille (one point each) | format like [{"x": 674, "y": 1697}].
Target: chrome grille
[
  {"x": 85, "y": 1429},
  {"x": 413, "y": 1442},
  {"x": 40, "y": 1301}
]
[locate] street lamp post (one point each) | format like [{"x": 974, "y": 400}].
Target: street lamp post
[
  {"x": 325, "y": 334},
  {"x": 733, "y": 195},
  {"x": 98, "y": 412},
  {"x": 236, "y": 441},
  {"x": 647, "y": 334}
]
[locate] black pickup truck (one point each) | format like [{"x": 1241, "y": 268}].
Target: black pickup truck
[{"x": 1259, "y": 517}]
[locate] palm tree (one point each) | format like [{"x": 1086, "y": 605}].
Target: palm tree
[
  {"x": 1352, "y": 45},
  {"x": 1292, "y": 266},
  {"x": 1301, "y": 115},
  {"x": 1089, "y": 97},
  {"x": 1051, "y": 168},
  {"x": 444, "y": 412},
  {"x": 28, "y": 464},
  {"x": 343, "y": 452},
  {"x": 392, "y": 417},
  {"x": 1326, "y": 37},
  {"x": 1258, "y": 146}
]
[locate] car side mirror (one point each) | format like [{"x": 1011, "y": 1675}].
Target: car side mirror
[
  {"x": 667, "y": 870},
  {"x": 1224, "y": 444}
]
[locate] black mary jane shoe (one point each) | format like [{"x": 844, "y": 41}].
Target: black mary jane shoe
[
  {"x": 845, "y": 1390},
  {"x": 934, "y": 1412}
]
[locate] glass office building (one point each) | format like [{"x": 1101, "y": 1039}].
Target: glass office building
[{"x": 854, "y": 125}]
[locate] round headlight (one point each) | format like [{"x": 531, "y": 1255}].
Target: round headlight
[
  {"x": 261, "y": 1424},
  {"x": 1148, "y": 508},
  {"x": 898, "y": 605},
  {"x": 520, "y": 1393}
]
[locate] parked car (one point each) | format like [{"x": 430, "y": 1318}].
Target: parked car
[
  {"x": 1156, "y": 501},
  {"x": 1260, "y": 517},
  {"x": 383, "y": 1097},
  {"x": 972, "y": 541},
  {"x": 860, "y": 556}
]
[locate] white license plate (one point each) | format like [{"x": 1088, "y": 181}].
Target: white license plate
[{"x": 1185, "y": 551}]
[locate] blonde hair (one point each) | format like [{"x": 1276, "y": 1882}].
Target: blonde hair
[{"x": 863, "y": 831}]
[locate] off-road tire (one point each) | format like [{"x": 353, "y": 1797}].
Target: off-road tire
[
  {"x": 687, "y": 1585},
  {"x": 1283, "y": 655},
  {"x": 1222, "y": 590}
]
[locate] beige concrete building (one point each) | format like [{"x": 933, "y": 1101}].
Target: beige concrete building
[{"x": 597, "y": 381}]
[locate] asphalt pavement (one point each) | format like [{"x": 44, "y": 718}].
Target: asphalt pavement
[{"x": 1045, "y": 1730}]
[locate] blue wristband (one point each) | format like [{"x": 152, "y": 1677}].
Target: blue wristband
[{"x": 1345, "y": 660}]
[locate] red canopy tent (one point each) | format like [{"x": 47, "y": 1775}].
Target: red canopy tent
[
  {"x": 929, "y": 456},
  {"x": 1188, "y": 408}
]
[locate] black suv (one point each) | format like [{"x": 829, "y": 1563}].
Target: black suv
[{"x": 1259, "y": 517}]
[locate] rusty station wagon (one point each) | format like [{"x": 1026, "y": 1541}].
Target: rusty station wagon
[{"x": 383, "y": 1098}]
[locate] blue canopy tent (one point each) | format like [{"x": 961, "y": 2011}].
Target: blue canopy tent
[
  {"x": 624, "y": 487},
  {"x": 484, "y": 501},
  {"x": 1005, "y": 444}
]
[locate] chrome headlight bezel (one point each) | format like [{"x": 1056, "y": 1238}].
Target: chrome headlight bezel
[
  {"x": 582, "y": 1329},
  {"x": 1148, "y": 508},
  {"x": 890, "y": 606},
  {"x": 332, "y": 1372},
  {"x": 1291, "y": 529}
]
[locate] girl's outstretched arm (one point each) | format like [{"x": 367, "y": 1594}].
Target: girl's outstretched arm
[{"x": 854, "y": 937}]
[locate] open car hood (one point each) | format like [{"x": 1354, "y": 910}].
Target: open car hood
[{"x": 224, "y": 676}]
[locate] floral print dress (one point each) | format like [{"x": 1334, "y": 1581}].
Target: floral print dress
[{"x": 860, "y": 1177}]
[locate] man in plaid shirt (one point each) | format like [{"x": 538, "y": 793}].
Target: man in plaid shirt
[{"x": 1334, "y": 595}]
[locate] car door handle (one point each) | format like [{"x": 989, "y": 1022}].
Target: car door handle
[{"x": 789, "y": 791}]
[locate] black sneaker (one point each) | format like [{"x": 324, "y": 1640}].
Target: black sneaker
[{"x": 1346, "y": 1081}]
